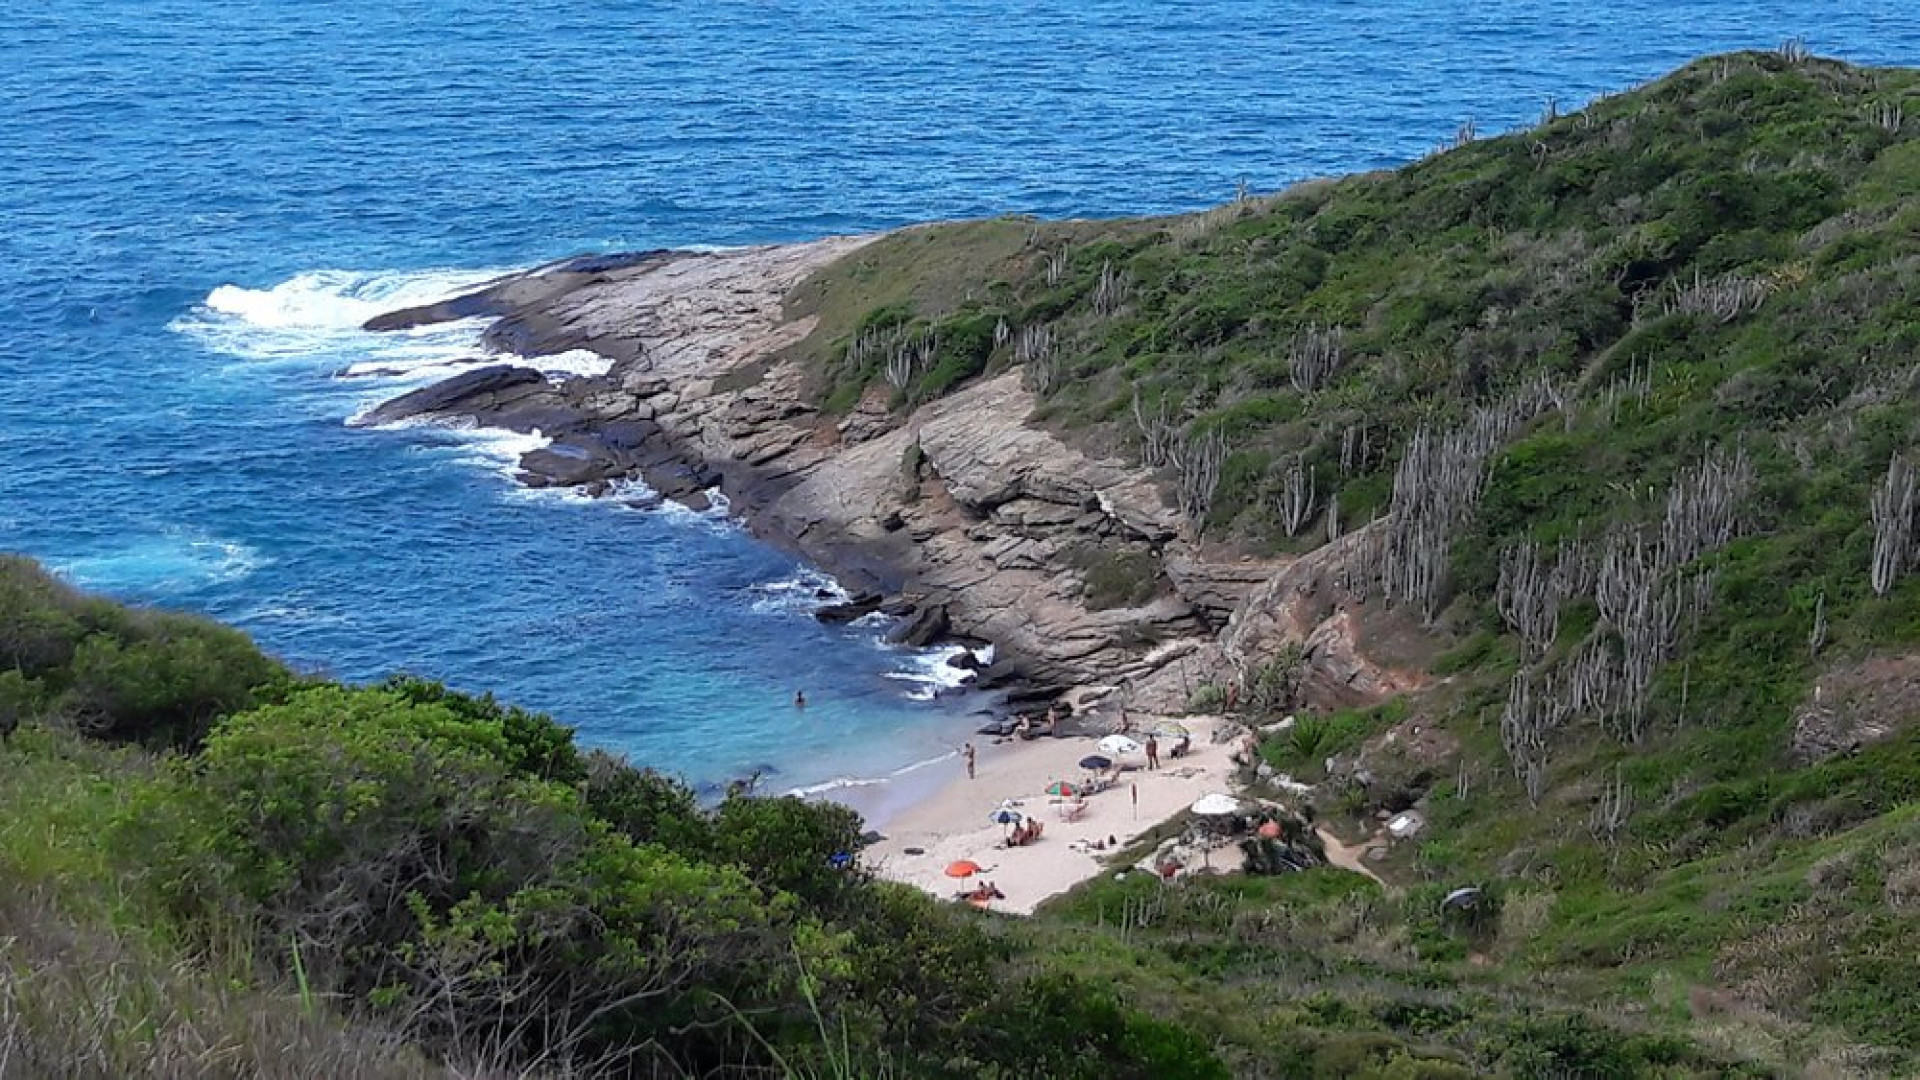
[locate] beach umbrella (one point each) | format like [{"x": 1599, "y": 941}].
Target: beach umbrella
[
  {"x": 965, "y": 868},
  {"x": 1167, "y": 729},
  {"x": 1270, "y": 830},
  {"x": 1005, "y": 816},
  {"x": 1216, "y": 805},
  {"x": 1096, "y": 762},
  {"x": 1059, "y": 787},
  {"x": 1119, "y": 746}
]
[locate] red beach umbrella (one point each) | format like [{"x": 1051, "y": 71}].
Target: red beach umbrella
[
  {"x": 1270, "y": 830},
  {"x": 964, "y": 868},
  {"x": 1060, "y": 787}
]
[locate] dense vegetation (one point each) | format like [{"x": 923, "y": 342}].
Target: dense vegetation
[
  {"x": 1658, "y": 352},
  {"x": 360, "y": 881},
  {"x": 1622, "y": 412},
  {"x": 404, "y": 881}
]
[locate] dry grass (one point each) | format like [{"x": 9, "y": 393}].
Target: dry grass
[
  {"x": 1902, "y": 887},
  {"x": 1523, "y": 916},
  {"x": 82, "y": 1001}
]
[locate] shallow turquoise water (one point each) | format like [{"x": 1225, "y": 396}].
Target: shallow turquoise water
[{"x": 201, "y": 199}]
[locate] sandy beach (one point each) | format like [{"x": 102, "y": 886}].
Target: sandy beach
[{"x": 954, "y": 822}]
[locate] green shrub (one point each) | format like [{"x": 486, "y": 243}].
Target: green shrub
[
  {"x": 645, "y": 806},
  {"x": 1059, "y": 1028},
  {"x": 791, "y": 845},
  {"x": 136, "y": 676}
]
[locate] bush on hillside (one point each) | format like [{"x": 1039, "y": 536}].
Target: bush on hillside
[{"x": 134, "y": 676}]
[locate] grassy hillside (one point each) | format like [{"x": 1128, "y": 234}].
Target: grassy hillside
[
  {"x": 402, "y": 881},
  {"x": 1629, "y": 402}
]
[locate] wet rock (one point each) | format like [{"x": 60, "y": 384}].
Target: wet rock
[
  {"x": 859, "y": 607},
  {"x": 927, "y": 626},
  {"x": 480, "y": 388},
  {"x": 565, "y": 466}
]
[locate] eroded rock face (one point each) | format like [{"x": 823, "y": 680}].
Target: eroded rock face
[
  {"x": 1002, "y": 529},
  {"x": 1857, "y": 705},
  {"x": 1318, "y": 605},
  {"x": 1077, "y": 568}
]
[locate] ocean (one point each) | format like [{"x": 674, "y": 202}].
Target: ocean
[{"x": 202, "y": 200}]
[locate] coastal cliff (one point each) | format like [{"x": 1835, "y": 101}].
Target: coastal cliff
[{"x": 965, "y": 513}]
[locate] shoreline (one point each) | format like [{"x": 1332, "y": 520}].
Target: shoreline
[{"x": 952, "y": 822}]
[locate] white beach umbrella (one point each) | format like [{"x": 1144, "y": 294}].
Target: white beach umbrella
[
  {"x": 1216, "y": 805},
  {"x": 1119, "y": 746}
]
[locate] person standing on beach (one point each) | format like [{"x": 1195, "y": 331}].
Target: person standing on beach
[
  {"x": 967, "y": 752},
  {"x": 1153, "y": 752}
]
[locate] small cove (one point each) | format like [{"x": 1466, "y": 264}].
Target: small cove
[{"x": 211, "y": 197}]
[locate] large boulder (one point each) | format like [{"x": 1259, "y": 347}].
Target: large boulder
[
  {"x": 845, "y": 612},
  {"x": 927, "y": 626},
  {"x": 470, "y": 393}
]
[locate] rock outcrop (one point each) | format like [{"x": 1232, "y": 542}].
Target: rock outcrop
[
  {"x": 489, "y": 395},
  {"x": 1076, "y": 567},
  {"x": 1351, "y": 647},
  {"x": 1857, "y": 704}
]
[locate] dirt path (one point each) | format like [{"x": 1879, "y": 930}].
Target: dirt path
[{"x": 1349, "y": 858}]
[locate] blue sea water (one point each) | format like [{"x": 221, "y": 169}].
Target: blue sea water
[{"x": 200, "y": 200}]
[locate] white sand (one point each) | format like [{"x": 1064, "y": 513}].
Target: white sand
[{"x": 953, "y": 823}]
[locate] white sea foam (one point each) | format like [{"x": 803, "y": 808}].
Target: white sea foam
[
  {"x": 429, "y": 366},
  {"x": 930, "y": 673},
  {"x": 495, "y": 448},
  {"x": 803, "y": 592},
  {"x": 319, "y": 314},
  {"x": 843, "y": 783},
  {"x": 177, "y": 559},
  {"x": 837, "y": 784},
  {"x": 573, "y": 362},
  {"x": 716, "y": 518},
  {"x": 341, "y": 299},
  {"x": 315, "y": 319},
  {"x": 627, "y": 493}
]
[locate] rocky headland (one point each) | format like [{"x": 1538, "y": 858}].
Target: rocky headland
[{"x": 965, "y": 515}]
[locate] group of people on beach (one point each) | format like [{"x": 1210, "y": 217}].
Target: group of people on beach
[
  {"x": 983, "y": 894},
  {"x": 1025, "y": 832}
]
